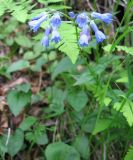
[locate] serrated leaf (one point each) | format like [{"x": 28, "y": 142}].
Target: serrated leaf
[
  {"x": 69, "y": 44},
  {"x": 129, "y": 155},
  {"x": 61, "y": 151},
  {"x": 127, "y": 110},
  {"x": 107, "y": 101},
  {"x": 107, "y": 48},
  {"x": 49, "y": 1},
  {"x": 126, "y": 49}
]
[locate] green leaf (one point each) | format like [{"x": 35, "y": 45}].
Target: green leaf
[
  {"x": 57, "y": 100},
  {"x": 61, "y": 151},
  {"x": 23, "y": 41},
  {"x": 124, "y": 79},
  {"x": 107, "y": 101},
  {"x": 49, "y": 1},
  {"x": 38, "y": 65},
  {"x": 64, "y": 65},
  {"x": 15, "y": 142},
  {"x": 38, "y": 135},
  {"x": 77, "y": 99},
  {"x": 101, "y": 125},
  {"x": 42, "y": 139},
  {"x": 107, "y": 48},
  {"x": 129, "y": 155},
  {"x": 69, "y": 43},
  {"x": 20, "y": 15},
  {"x": 29, "y": 55},
  {"x": 82, "y": 146},
  {"x": 17, "y": 101},
  {"x": 126, "y": 49},
  {"x": 2, "y": 9},
  {"x": 27, "y": 123},
  {"x": 19, "y": 65},
  {"x": 126, "y": 109},
  {"x": 25, "y": 87}
]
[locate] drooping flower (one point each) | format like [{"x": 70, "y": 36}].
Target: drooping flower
[
  {"x": 48, "y": 31},
  {"x": 71, "y": 14},
  {"x": 85, "y": 30},
  {"x": 83, "y": 41},
  {"x": 82, "y": 19},
  {"x": 55, "y": 36},
  {"x": 84, "y": 37},
  {"x": 35, "y": 24},
  {"x": 45, "y": 41},
  {"x": 106, "y": 17},
  {"x": 39, "y": 16},
  {"x": 100, "y": 36},
  {"x": 55, "y": 20}
]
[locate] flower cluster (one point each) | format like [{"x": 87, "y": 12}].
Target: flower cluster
[
  {"x": 83, "y": 21},
  {"x": 51, "y": 33}
]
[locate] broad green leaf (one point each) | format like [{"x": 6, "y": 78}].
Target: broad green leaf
[
  {"x": 82, "y": 146},
  {"x": 42, "y": 139},
  {"x": 64, "y": 65},
  {"x": 57, "y": 97},
  {"x": 23, "y": 41},
  {"x": 129, "y": 155},
  {"x": 84, "y": 78},
  {"x": 31, "y": 55},
  {"x": 17, "y": 101},
  {"x": 18, "y": 65},
  {"x": 61, "y": 151},
  {"x": 3, "y": 147},
  {"x": 38, "y": 65},
  {"x": 20, "y": 15},
  {"x": 77, "y": 99},
  {"x": 25, "y": 87},
  {"x": 27, "y": 123},
  {"x": 15, "y": 142},
  {"x": 89, "y": 123},
  {"x": 126, "y": 109},
  {"x": 101, "y": 125}
]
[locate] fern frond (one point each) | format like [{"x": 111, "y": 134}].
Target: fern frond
[
  {"x": 127, "y": 110},
  {"x": 129, "y": 155},
  {"x": 69, "y": 44}
]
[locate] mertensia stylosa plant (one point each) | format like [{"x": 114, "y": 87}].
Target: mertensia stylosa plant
[{"x": 84, "y": 22}]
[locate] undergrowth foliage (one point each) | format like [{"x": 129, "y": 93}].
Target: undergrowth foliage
[{"x": 66, "y": 90}]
